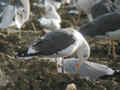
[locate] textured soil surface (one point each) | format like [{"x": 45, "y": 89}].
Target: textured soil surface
[{"x": 40, "y": 74}]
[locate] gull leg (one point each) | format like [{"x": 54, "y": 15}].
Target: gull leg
[
  {"x": 63, "y": 64},
  {"x": 109, "y": 48},
  {"x": 78, "y": 63},
  {"x": 74, "y": 21},
  {"x": 95, "y": 44},
  {"x": 113, "y": 50},
  {"x": 90, "y": 17},
  {"x": 20, "y": 34},
  {"x": 78, "y": 20},
  {"x": 79, "y": 16},
  {"x": 8, "y": 33},
  {"x": 56, "y": 63},
  {"x": 59, "y": 64},
  {"x": 34, "y": 28}
]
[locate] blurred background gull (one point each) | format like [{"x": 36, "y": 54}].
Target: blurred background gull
[{"x": 14, "y": 13}]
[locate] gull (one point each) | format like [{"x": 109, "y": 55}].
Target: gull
[
  {"x": 89, "y": 70},
  {"x": 14, "y": 13},
  {"x": 116, "y": 3},
  {"x": 59, "y": 43},
  {"x": 51, "y": 20},
  {"x": 7, "y": 13},
  {"x": 22, "y": 12},
  {"x": 101, "y": 8},
  {"x": 3, "y": 4},
  {"x": 105, "y": 26},
  {"x": 90, "y": 6},
  {"x": 7, "y": 17}
]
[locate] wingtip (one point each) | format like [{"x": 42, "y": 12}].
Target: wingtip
[
  {"x": 115, "y": 74},
  {"x": 22, "y": 53},
  {"x": 17, "y": 56}
]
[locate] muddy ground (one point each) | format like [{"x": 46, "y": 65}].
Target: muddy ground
[{"x": 40, "y": 74}]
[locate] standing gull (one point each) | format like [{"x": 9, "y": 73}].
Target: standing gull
[
  {"x": 83, "y": 53},
  {"x": 85, "y": 5},
  {"x": 89, "y": 6},
  {"x": 102, "y": 7},
  {"x": 61, "y": 43},
  {"x": 51, "y": 20},
  {"x": 105, "y": 26}
]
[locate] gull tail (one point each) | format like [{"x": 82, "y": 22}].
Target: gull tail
[
  {"x": 115, "y": 74},
  {"x": 23, "y": 54}
]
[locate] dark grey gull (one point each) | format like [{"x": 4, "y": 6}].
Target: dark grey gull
[
  {"x": 116, "y": 3},
  {"x": 61, "y": 43},
  {"x": 102, "y": 7},
  {"x": 105, "y": 26}
]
